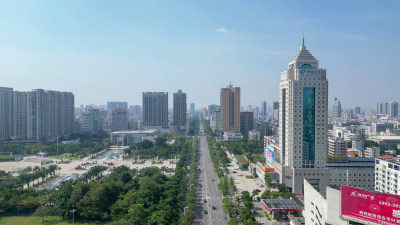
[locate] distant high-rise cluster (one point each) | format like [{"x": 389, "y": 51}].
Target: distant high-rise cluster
[
  {"x": 155, "y": 109},
  {"x": 388, "y": 108},
  {"x": 115, "y": 105},
  {"x": 230, "y": 109},
  {"x": 36, "y": 114}
]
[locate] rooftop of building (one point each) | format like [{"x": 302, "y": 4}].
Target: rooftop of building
[
  {"x": 286, "y": 205},
  {"x": 152, "y": 131},
  {"x": 387, "y": 157},
  {"x": 385, "y": 137}
]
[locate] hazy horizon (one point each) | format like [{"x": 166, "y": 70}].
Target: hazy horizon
[{"x": 113, "y": 51}]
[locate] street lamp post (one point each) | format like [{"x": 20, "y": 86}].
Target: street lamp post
[{"x": 73, "y": 215}]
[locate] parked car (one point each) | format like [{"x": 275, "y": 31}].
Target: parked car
[
  {"x": 205, "y": 201},
  {"x": 205, "y": 212},
  {"x": 213, "y": 207}
]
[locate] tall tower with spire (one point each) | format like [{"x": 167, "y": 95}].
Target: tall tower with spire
[{"x": 303, "y": 122}]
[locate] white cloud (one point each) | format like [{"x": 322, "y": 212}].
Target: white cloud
[{"x": 221, "y": 30}]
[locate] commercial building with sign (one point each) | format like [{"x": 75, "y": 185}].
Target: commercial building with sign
[{"x": 349, "y": 206}]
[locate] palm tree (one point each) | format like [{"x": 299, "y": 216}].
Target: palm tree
[
  {"x": 28, "y": 168},
  {"x": 36, "y": 168}
]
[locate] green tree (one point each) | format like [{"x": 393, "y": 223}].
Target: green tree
[
  {"x": 43, "y": 211},
  {"x": 282, "y": 187},
  {"x": 268, "y": 179}
]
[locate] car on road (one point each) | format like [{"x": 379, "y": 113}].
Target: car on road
[
  {"x": 212, "y": 179},
  {"x": 205, "y": 212},
  {"x": 205, "y": 201},
  {"x": 234, "y": 172},
  {"x": 258, "y": 190},
  {"x": 213, "y": 207}
]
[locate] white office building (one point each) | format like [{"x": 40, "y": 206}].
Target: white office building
[{"x": 387, "y": 173}]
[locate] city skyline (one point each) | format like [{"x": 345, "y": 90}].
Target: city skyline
[{"x": 105, "y": 53}]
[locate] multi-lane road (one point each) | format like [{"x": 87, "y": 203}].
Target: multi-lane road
[{"x": 208, "y": 194}]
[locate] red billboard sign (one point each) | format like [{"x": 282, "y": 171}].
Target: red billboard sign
[{"x": 370, "y": 206}]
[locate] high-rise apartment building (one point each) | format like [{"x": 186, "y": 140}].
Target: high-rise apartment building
[
  {"x": 179, "y": 115},
  {"x": 119, "y": 119},
  {"x": 6, "y": 116},
  {"x": 264, "y": 108},
  {"x": 388, "y": 108},
  {"x": 380, "y": 108},
  {"x": 20, "y": 116},
  {"x": 336, "y": 108},
  {"x": 393, "y": 109},
  {"x": 155, "y": 109},
  {"x": 246, "y": 122},
  {"x": 36, "y": 114},
  {"x": 303, "y": 123},
  {"x": 230, "y": 109}
]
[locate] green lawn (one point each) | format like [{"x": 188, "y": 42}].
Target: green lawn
[
  {"x": 241, "y": 159},
  {"x": 67, "y": 156},
  {"x": 35, "y": 220}
]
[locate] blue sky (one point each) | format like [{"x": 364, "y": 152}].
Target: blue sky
[{"x": 115, "y": 50}]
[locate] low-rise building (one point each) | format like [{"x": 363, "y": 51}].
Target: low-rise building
[
  {"x": 386, "y": 140},
  {"x": 373, "y": 152},
  {"x": 337, "y": 147},
  {"x": 231, "y": 136},
  {"x": 254, "y": 135},
  {"x": 130, "y": 137},
  {"x": 359, "y": 145},
  {"x": 355, "y": 172},
  {"x": 317, "y": 205}
]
